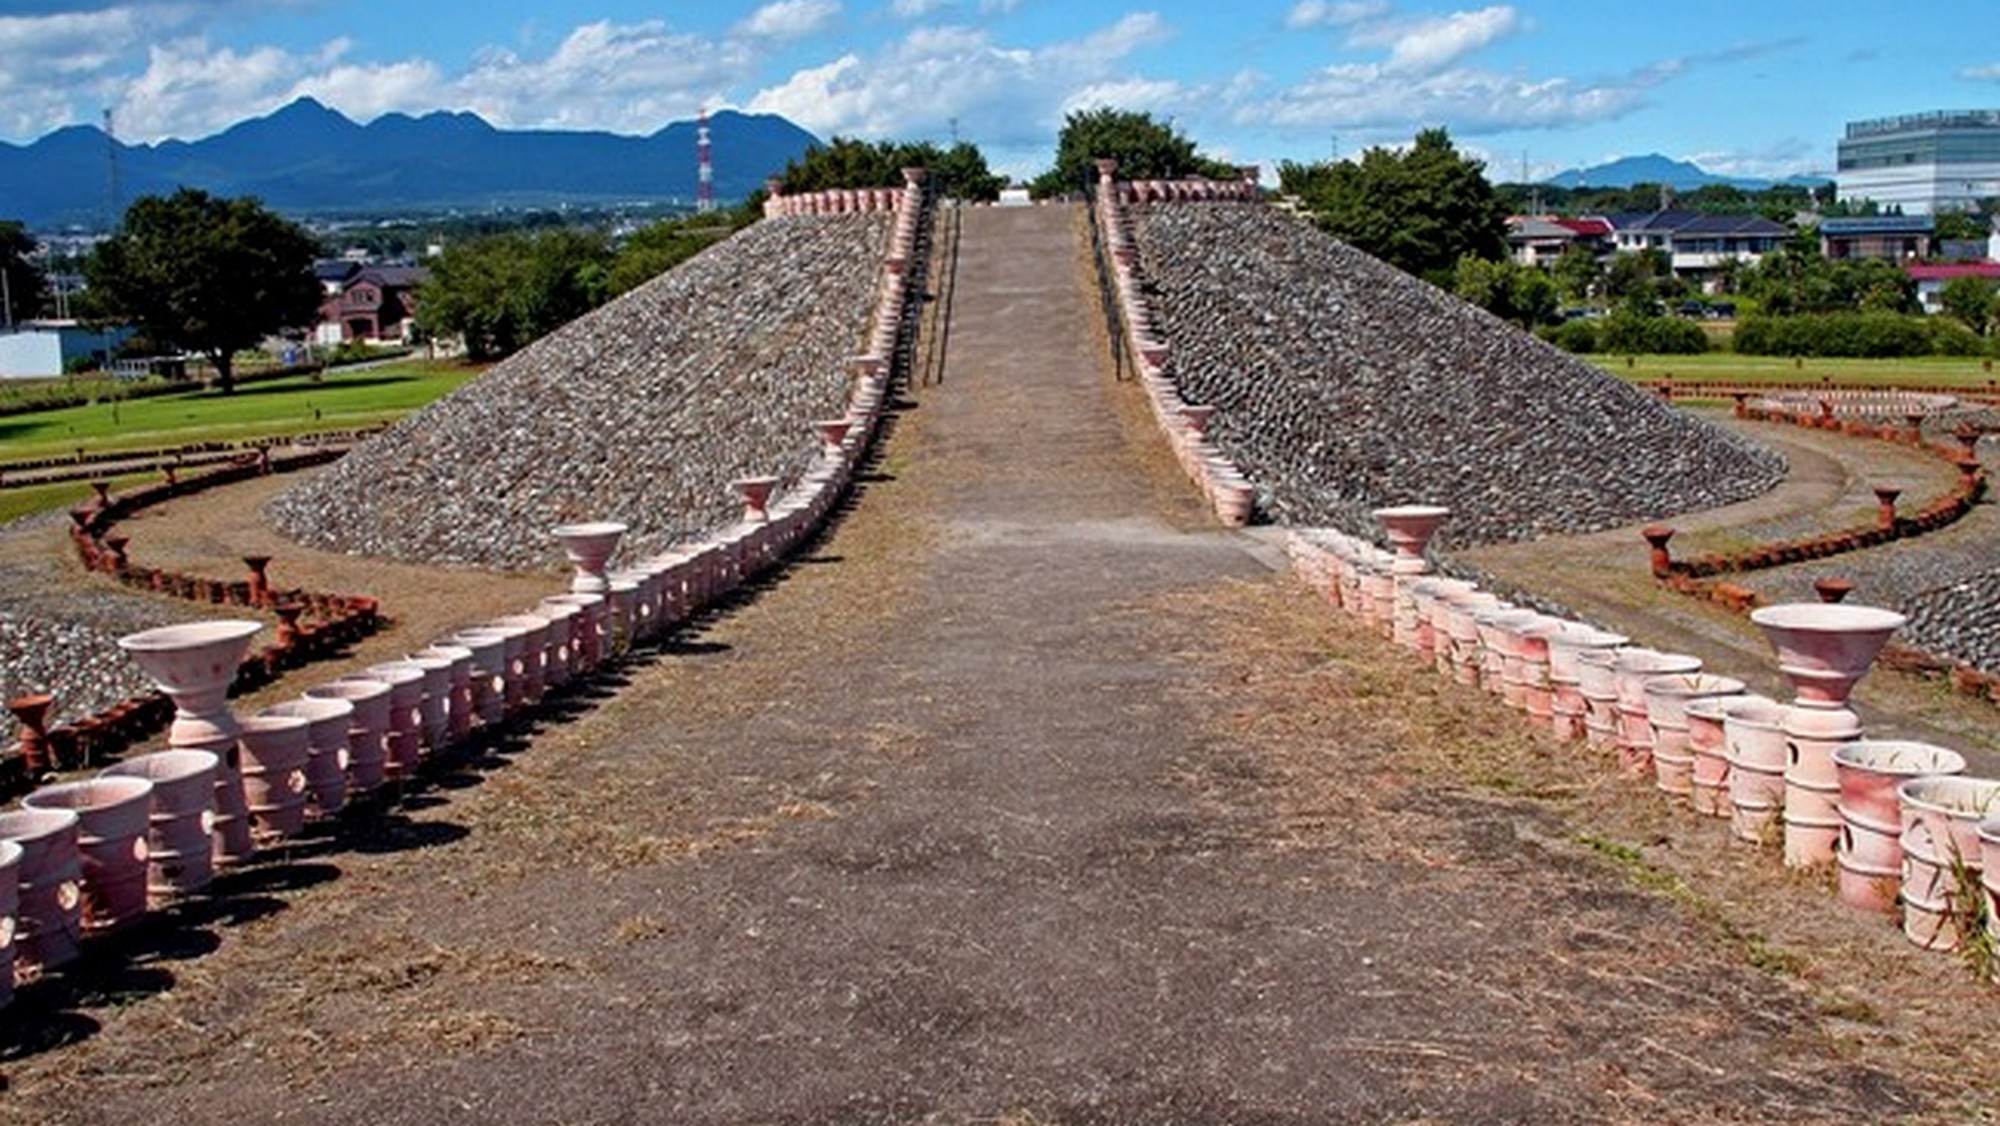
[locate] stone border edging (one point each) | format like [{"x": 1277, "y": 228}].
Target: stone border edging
[
  {"x": 1229, "y": 491},
  {"x": 1670, "y": 389}
]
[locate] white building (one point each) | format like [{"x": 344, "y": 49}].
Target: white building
[
  {"x": 1922, "y": 163},
  {"x": 44, "y": 349}
]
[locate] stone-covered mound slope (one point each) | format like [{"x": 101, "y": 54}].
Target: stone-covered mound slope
[
  {"x": 642, "y": 411},
  {"x": 1344, "y": 384}
]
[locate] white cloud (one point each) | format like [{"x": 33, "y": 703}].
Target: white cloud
[
  {"x": 1989, "y": 72},
  {"x": 1436, "y": 42},
  {"x": 1333, "y": 13},
  {"x": 1007, "y": 99},
  {"x": 790, "y": 19},
  {"x": 54, "y": 63},
  {"x": 1377, "y": 96},
  {"x": 917, "y": 9}
]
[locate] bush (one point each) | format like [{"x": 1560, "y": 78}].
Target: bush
[
  {"x": 1632, "y": 334},
  {"x": 1950, "y": 337},
  {"x": 1578, "y": 336},
  {"x": 1860, "y": 335}
]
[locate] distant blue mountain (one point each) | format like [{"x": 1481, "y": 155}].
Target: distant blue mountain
[
  {"x": 1654, "y": 168},
  {"x": 308, "y": 159}
]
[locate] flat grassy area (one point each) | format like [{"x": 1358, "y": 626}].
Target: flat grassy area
[
  {"x": 30, "y": 499},
  {"x": 1971, "y": 373},
  {"x": 338, "y": 400}
]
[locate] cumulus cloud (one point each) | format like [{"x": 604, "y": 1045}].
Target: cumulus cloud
[
  {"x": 1438, "y": 41},
  {"x": 1368, "y": 95},
  {"x": 917, "y": 9},
  {"x": 1989, "y": 72},
  {"x": 1333, "y": 13},
  {"x": 790, "y": 19},
  {"x": 1005, "y": 97},
  {"x": 56, "y": 60}
]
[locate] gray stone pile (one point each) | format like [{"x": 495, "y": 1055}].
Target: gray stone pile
[
  {"x": 1960, "y": 620},
  {"x": 641, "y": 412},
  {"x": 1344, "y": 384}
]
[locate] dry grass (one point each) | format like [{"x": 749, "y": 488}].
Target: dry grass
[{"x": 1350, "y": 734}]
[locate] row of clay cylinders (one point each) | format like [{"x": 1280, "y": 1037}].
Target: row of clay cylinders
[
  {"x": 1194, "y": 191},
  {"x": 838, "y": 201}
]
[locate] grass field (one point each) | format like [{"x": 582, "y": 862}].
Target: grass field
[
  {"x": 338, "y": 400},
  {"x": 1722, "y": 367}
]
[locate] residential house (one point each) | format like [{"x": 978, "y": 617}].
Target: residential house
[
  {"x": 1540, "y": 240},
  {"x": 1696, "y": 243},
  {"x": 374, "y": 304},
  {"x": 1931, "y": 278},
  {"x": 45, "y": 349},
  {"x": 1896, "y": 238}
]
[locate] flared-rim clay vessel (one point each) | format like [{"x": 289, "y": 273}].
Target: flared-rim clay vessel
[
  {"x": 180, "y": 853},
  {"x": 112, "y": 817},
  {"x": 589, "y": 546},
  {"x": 1824, "y": 648},
  {"x": 1410, "y": 528},
  {"x": 194, "y": 664}
]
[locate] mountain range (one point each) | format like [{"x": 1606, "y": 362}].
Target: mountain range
[
  {"x": 306, "y": 159},
  {"x": 1653, "y": 168}
]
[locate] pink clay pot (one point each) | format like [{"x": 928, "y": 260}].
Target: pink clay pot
[
  {"x": 276, "y": 749},
  {"x": 462, "y": 716},
  {"x": 1709, "y": 793},
  {"x": 10, "y": 907},
  {"x": 180, "y": 855},
  {"x": 406, "y": 720},
  {"x": 1410, "y": 528},
  {"x": 1989, "y": 872},
  {"x": 1941, "y": 819},
  {"x": 489, "y": 673},
  {"x": 1755, "y": 746},
  {"x": 49, "y": 927},
  {"x": 367, "y": 734},
  {"x": 111, "y": 839},
  {"x": 327, "y": 723},
  {"x": 1674, "y": 756}
]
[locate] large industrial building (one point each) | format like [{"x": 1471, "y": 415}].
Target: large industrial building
[{"x": 1922, "y": 163}]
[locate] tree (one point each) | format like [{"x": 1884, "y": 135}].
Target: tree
[
  {"x": 960, "y": 171},
  {"x": 24, "y": 286},
  {"x": 1144, "y": 149},
  {"x": 1421, "y": 209},
  {"x": 204, "y": 273},
  {"x": 1577, "y": 274},
  {"x": 502, "y": 291},
  {"x": 1524, "y": 295},
  {"x": 1971, "y": 300},
  {"x": 652, "y": 251}
]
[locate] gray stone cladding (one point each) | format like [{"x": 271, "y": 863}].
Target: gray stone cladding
[
  {"x": 642, "y": 411},
  {"x": 1345, "y": 384}
]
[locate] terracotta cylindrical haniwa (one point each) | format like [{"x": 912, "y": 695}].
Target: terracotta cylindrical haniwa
[
  {"x": 1870, "y": 854},
  {"x": 1754, "y": 743},
  {"x": 1633, "y": 668},
  {"x": 180, "y": 821},
  {"x": 1567, "y": 645},
  {"x": 489, "y": 673},
  {"x": 276, "y": 749},
  {"x": 367, "y": 734},
  {"x": 111, "y": 838},
  {"x": 10, "y": 908},
  {"x": 327, "y": 723},
  {"x": 48, "y": 931},
  {"x": 461, "y": 715},
  {"x": 562, "y": 659},
  {"x": 1708, "y": 794},
  {"x": 589, "y": 627},
  {"x": 406, "y": 715},
  {"x": 533, "y": 661},
  {"x": 1667, "y": 701},
  {"x": 1941, "y": 819},
  {"x": 1597, "y": 683},
  {"x": 1989, "y": 872},
  {"x": 435, "y": 709}
]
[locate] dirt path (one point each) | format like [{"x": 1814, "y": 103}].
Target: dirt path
[{"x": 1029, "y": 798}]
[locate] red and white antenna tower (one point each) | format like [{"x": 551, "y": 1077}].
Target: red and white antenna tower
[{"x": 704, "y": 192}]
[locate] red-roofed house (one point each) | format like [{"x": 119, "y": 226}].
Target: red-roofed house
[{"x": 1932, "y": 278}]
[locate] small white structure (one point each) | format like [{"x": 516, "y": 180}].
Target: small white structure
[{"x": 45, "y": 349}]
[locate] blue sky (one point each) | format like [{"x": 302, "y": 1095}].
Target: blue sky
[{"x": 1747, "y": 87}]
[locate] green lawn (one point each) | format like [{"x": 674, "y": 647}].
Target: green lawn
[
  {"x": 339, "y": 400},
  {"x": 1724, "y": 367}
]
